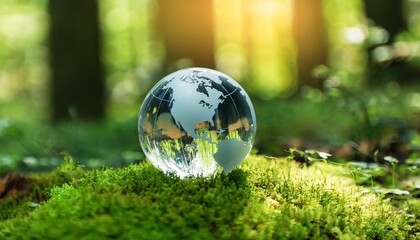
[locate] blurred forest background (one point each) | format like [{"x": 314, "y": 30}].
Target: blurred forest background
[{"x": 336, "y": 76}]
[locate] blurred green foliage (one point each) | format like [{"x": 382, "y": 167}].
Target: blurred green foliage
[
  {"x": 133, "y": 52},
  {"x": 23, "y": 58}
]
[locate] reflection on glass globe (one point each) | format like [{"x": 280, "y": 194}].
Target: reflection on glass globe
[{"x": 195, "y": 122}]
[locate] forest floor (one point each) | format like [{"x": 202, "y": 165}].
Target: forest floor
[
  {"x": 368, "y": 189},
  {"x": 265, "y": 198}
]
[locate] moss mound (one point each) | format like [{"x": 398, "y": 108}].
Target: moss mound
[{"x": 263, "y": 199}]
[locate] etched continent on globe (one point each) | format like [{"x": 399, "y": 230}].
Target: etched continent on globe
[
  {"x": 201, "y": 99},
  {"x": 196, "y": 121}
]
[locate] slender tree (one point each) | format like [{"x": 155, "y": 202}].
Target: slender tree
[
  {"x": 187, "y": 30},
  {"x": 310, "y": 39},
  {"x": 77, "y": 84},
  {"x": 389, "y": 15}
]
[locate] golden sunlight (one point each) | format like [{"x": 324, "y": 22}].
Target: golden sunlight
[{"x": 254, "y": 38}]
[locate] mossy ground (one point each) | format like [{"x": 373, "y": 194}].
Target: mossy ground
[{"x": 263, "y": 199}]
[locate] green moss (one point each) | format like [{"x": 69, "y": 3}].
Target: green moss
[
  {"x": 413, "y": 208},
  {"x": 263, "y": 199}
]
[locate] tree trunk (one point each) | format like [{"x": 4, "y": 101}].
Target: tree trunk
[
  {"x": 310, "y": 39},
  {"x": 77, "y": 85},
  {"x": 389, "y": 15},
  {"x": 187, "y": 30}
]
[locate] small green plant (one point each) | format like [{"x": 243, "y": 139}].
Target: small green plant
[
  {"x": 393, "y": 161},
  {"x": 307, "y": 157},
  {"x": 365, "y": 173}
]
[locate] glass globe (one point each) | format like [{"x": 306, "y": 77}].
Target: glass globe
[{"x": 195, "y": 122}]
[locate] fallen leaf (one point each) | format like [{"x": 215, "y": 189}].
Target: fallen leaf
[{"x": 12, "y": 184}]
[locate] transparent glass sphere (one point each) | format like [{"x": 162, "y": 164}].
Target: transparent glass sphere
[{"x": 195, "y": 122}]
